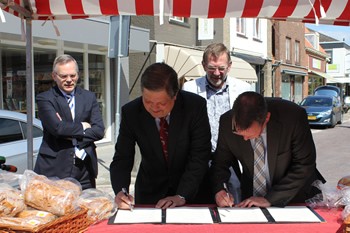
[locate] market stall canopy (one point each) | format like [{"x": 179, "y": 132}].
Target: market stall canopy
[
  {"x": 339, "y": 80},
  {"x": 187, "y": 63},
  {"x": 335, "y": 12}
]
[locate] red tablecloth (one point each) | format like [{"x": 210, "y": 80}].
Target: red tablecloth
[{"x": 331, "y": 216}]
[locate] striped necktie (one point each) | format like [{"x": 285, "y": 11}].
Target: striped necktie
[
  {"x": 259, "y": 180},
  {"x": 70, "y": 101},
  {"x": 81, "y": 154}
]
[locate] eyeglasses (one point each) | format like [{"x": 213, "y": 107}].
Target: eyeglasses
[
  {"x": 214, "y": 68},
  {"x": 65, "y": 76}
]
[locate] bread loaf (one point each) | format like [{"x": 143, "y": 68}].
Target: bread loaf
[
  {"x": 100, "y": 205},
  {"x": 47, "y": 196},
  {"x": 11, "y": 202},
  {"x": 69, "y": 184},
  {"x": 99, "y": 208}
]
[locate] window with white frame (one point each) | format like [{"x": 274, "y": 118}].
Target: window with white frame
[
  {"x": 330, "y": 55},
  {"x": 240, "y": 26},
  {"x": 288, "y": 49},
  {"x": 297, "y": 52},
  {"x": 177, "y": 19},
  {"x": 256, "y": 28}
]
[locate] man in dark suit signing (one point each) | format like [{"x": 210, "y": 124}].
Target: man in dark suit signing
[
  {"x": 72, "y": 122},
  {"x": 171, "y": 177},
  {"x": 272, "y": 140}
]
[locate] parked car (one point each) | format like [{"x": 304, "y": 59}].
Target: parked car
[
  {"x": 323, "y": 110},
  {"x": 346, "y": 105},
  {"x": 331, "y": 90},
  {"x": 13, "y": 138},
  {"x": 328, "y": 90}
]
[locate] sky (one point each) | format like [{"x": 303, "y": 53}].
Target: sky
[{"x": 337, "y": 32}]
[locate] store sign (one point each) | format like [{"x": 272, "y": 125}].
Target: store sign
[
  {"x": 118, "y": 39},
  {"x": 332, "y": 68}
]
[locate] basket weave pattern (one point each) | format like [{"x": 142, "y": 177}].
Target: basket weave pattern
[{"x": 71, "y": 223}]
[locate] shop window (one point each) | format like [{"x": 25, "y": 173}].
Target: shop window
[
  {"x": 97, "y": 79},
  {"x": 13, "y": 79},
  {"x": 79, "y": 57},
  {"x": 43, "y": 61}
]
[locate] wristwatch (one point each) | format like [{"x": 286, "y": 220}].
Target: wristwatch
[{"x": 183, "y": 198}]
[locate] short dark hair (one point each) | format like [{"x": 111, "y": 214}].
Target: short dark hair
[
  {"x": 247, "y": 108},
  {"x": 216, "y": 49},
  {"x": 160, "y": 76}
]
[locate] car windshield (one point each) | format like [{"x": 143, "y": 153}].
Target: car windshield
[{"x": 326, "y": 102}]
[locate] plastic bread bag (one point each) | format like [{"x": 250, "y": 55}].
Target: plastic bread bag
[
  {"x": 344, "y": 187},
  {"x": 100, "y": 205},
  {"x": 346, "y": 214},
  {"x": 69, "y": 183},
  {"x": 343, "y": 182},
  {"x": 345, "y": 196},
  {"x": 329, "y": 197},
  {"x": 11, "y": 201},
  {"x": 48, "y": 195},
  {"x": 10, "y": 178}
]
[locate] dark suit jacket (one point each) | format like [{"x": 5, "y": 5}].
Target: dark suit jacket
[
  {"x": 57, "y": 141},
  {"x": 291, "y": 155},
  {"x": 188, "y": 148}
]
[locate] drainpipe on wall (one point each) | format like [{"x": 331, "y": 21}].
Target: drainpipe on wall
[{"x": 275, "y": 65}]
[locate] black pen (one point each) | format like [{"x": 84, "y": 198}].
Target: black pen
[
  {"x": 127, "y": 195},
  {"x": 226, "y": 190}
]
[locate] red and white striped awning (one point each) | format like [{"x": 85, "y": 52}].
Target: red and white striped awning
[{"x": 335, "y": 12}]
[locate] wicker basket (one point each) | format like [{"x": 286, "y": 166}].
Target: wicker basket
[{"x": 72, "y": 223}]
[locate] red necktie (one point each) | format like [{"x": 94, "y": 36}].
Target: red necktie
[{"x": 163, "y": 134}]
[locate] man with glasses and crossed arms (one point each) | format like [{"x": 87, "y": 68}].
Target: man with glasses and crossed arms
[
  {"x": 220, "y": 91},
  {"x": 272, "y": 140},
  {"x": 72, "y": 122}
]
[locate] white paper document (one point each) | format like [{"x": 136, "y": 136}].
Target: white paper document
[
  {"x": 242, "y": 215},
  {"x": 139, "y": 215},
  {"x": 293, "y": 214},
  {"x": 194, "y": 215}
]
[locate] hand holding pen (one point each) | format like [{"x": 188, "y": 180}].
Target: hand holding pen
[
  {"x": 124, "y": 200},
  {"x": 223, "y": 198},
  {"x": 229, "y": 199}
]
